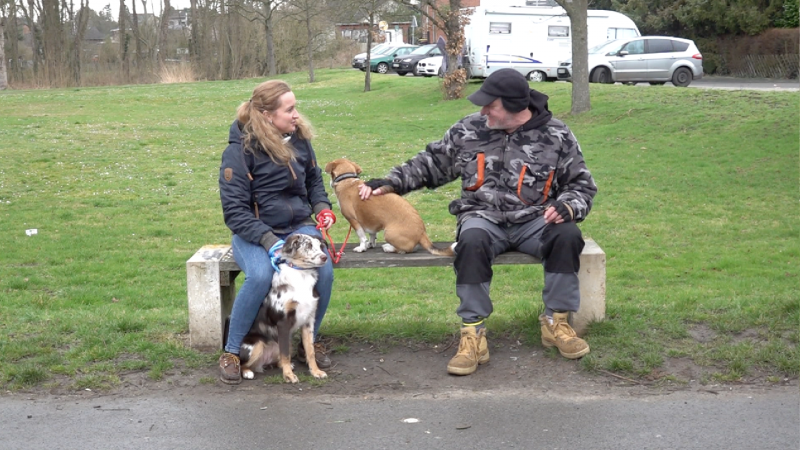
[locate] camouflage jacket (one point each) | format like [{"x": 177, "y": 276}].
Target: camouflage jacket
[{"x": 505, "y": 178}]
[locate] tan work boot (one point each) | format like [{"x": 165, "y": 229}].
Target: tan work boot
[
  {"x": 472, "y": 350},
  {"x": 561, "y": 335}
]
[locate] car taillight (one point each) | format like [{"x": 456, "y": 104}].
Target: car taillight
[{"x": 697, "y": 56}]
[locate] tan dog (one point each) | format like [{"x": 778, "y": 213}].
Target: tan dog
[{"x": 402, "y": 226}]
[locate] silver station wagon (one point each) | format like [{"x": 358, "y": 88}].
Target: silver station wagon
[{"x": 653, "y": 59}]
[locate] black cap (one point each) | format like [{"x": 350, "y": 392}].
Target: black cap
[{"x": 506, "y": 84}]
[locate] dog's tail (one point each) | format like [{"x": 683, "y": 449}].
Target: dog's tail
[{"x": 426, "y": 243}]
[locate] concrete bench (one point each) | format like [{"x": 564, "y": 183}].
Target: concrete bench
[{"x": 211, "y": 283}]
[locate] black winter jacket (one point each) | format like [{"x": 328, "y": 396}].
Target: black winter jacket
[{"x": 285, "y": 198}]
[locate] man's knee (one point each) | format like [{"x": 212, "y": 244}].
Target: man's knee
[
  {"x": 473, "y": 262},
  {"x": 562, "y": 245}
]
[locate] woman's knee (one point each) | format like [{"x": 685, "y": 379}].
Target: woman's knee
[{"x": 260, "y": 275}]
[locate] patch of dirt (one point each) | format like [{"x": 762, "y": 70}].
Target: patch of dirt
[{"x": 412, "y": 370}]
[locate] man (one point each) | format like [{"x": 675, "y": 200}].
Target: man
[{"x": 524, "y": 186}]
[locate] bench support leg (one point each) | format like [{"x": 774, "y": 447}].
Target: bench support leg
[
  {"x": 592, "y": 279},
  {"x": 210, "y": 300}
]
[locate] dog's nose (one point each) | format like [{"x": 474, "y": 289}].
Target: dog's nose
[{"x": 324, "y": 258}]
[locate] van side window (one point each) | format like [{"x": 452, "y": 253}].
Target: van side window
[
  {"x": 499, "y": 27},
  {"x": 659, "y": 46},
  {"x": 621, "y": 33},
  {"x": 557, "y": 31}
]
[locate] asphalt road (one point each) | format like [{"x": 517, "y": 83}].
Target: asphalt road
[{"x": 726, "y": 420}]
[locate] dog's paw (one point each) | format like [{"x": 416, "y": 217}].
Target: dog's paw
[
  {"x": 248, "y": 374},
  {"x": 290, "y": 377},
  {"x": 360, "y": 249},
  {"x": 389, "y": 248},
  {"x": 318, "y": 374}
]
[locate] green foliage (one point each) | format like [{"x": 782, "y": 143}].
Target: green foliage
[
  {"x": 707, "y": 19},
  {"x": 790, "y": 16},
  {"x": 696, "y": 212}
]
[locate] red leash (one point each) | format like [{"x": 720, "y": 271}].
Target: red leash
[{"x": 336, "y": 256}]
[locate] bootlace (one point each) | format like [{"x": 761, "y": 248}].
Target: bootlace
[
  {"x": 228, "y": 359},
  {"x": 563, "y": 328},
  {"x": 468, "y": 345},
  {"x": 319, "y": 348}
]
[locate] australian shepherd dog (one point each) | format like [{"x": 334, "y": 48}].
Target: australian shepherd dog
[{"x": 290, "y": 305}]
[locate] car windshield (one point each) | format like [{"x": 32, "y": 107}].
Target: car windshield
[
  {"x": 378, "y": 48},
  {"x": 423, "y": 50},
  {"x": 607, "y": 47},
  {"x": 387, "y": 51}
]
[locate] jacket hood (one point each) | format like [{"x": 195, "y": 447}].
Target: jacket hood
[
  {"x": 540, "y": 112},
  {"x": 235, "y": 133}
]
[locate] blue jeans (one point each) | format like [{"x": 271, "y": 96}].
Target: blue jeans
[{"x": 254, "y": 262}]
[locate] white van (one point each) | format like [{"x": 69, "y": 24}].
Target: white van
[{"x": 532, "y": 39}]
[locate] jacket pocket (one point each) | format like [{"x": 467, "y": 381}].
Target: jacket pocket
[
  {"x": 473, "y": 173},
  {"x": 533, "y": 186}
]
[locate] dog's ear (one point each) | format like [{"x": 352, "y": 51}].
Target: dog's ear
[
  {"x": 329, "y": 166},
  {"x": 358, "y": 168}
]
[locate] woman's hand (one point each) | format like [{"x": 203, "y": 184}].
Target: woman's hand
[{"x": 325, "y": 219}]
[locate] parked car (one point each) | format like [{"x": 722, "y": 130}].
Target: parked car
[
  {"x": 358, "y": 60},
  {"x": 408, "y": 63},
  {"x": 380, "y": 62},
  {"x": 653, "y": 59},
  {"x": 430, "y": 67}
]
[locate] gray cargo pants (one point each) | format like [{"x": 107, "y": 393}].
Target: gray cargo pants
[{"x": 479, "y": 241}]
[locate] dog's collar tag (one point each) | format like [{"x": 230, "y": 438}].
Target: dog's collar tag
[{"x": 345, "y": 176}]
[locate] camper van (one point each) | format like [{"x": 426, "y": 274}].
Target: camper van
[{"x": 532, "y": 39}]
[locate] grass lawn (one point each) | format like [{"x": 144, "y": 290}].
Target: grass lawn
[{"x": 697, "y": 213}]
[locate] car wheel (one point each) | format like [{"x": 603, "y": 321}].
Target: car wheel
[
  {"x": 382, "y": 68},
  {"x": 602, "y": 75},
  {"x": 363, "y": 69},
  {"x": 441, "y": 73},
  {"x": 682, "y": 77},
  {"x": 537, "y": 76},
  {"x": 402, "y": 74},
  {"x": 656, "y": 83}
]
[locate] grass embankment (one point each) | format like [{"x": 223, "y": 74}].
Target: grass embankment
[{"x": 697, "y": 213}]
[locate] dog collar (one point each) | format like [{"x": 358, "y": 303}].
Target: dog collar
[
  {"x": 295, "y": 267},
  {"x": 345, "y": 176}
]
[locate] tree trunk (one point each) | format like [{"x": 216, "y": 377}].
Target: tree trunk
[
  {"x": 137, "y": 39},
  {"x": 310, "y": 48},
  {"x": 34, "y": 40},
  {"x": 194, "y": 45},
  {"x": 53, "y": 34},
  {"x": 77, "y": 43},
  {"x": 367, "y": 78},
  {"x": 125, "y": 67},
  {"x": 577, "y": 12},
  {"x": 13, "y": 42},
  {"x": 3, "y": 70},
  {"x": 269, "y": 31},
  {"x": 162, "y": 35}
]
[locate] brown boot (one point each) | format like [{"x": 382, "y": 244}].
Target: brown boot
[
  {"x": 472, "y": 350},
  {"x": 561, "y": 335},
  {"x": 229, "y": 369}
]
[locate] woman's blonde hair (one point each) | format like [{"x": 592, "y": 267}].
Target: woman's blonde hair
[{"x": 258, "y": 133}]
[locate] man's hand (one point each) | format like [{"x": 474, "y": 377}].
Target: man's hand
[
  {"x": 558, "y": 212},
  {"x": 325, "y": 219},
  {"x": 372, "y": 187}
]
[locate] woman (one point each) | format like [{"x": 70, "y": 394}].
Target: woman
[{"x": 270, "y": 185}]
